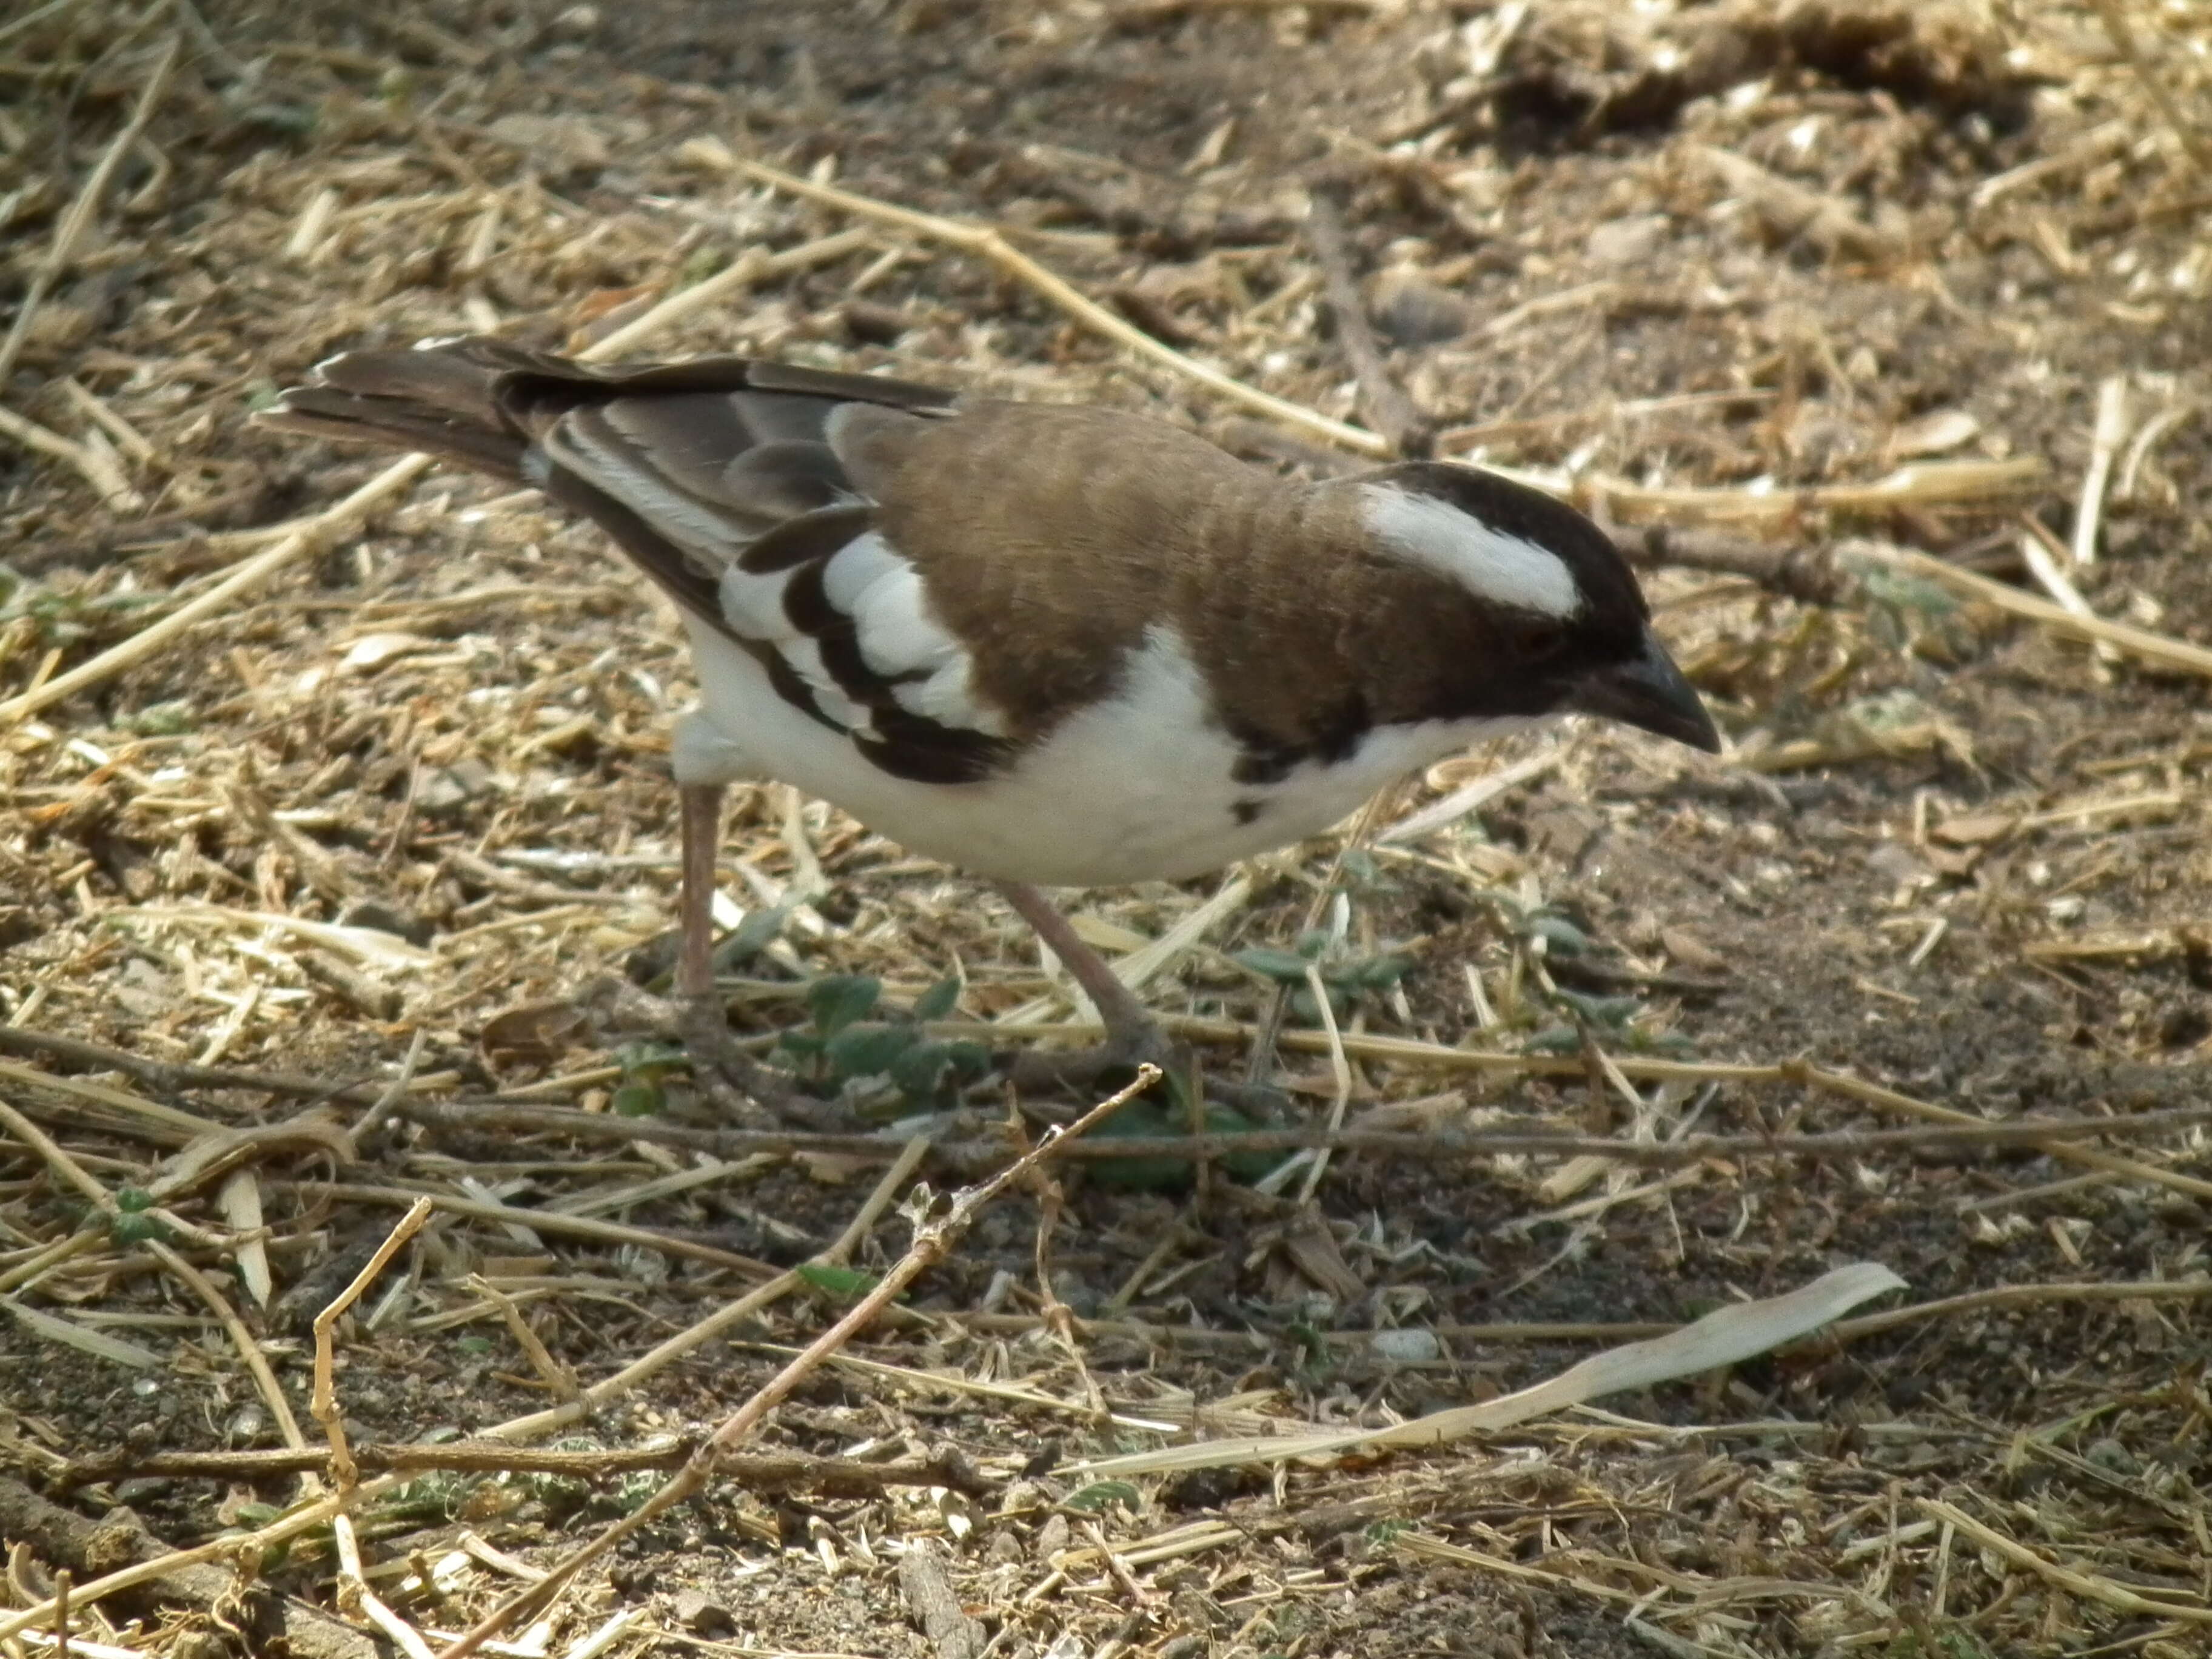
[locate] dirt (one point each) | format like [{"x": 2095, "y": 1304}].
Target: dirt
[{"x": 1951, "y": 855}]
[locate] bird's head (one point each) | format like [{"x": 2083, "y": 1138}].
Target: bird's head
[{"x": 1561, "y": 626}]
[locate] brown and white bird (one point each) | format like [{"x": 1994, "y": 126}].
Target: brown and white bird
[{"x": 1056, "y": 646}]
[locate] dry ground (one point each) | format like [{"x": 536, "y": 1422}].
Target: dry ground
[{"x": 1817, "y": 283}]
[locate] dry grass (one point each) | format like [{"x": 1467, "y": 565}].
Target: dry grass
[{"x": 331, "y": 810}]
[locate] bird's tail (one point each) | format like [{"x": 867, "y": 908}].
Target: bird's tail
[{"x": 447, "y": 400}]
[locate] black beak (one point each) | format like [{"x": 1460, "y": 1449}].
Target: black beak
[{"x": 1649, "y": 691}]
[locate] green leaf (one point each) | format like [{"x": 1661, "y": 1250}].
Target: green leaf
[
  {"x": 869, "y": 1050},
  {"x": 1141, "y": 1120},
  {"x": 800, "y": 1045},
  {"x": 838, "y": 1000},
  {"x": 1560, "y": 934},
  {"x": 1284, "y": 965},
  {"x": 753, "y": 933},
  {"x": 1102, "y": 1495},
  {"x": 1314, "y": 943},
  {"x": 132, "y": 1199},
  {"x": 1305, "y": 1009},
  {"x": 637, "y": 1098},
  {"x": 967, "y": 1059},
  {"x": 845, "y": 1284},
  {"x": 160, "y": 720},
  {"x": 1375, "y": 974},
  {"x": 649, "y": 1062},
  {"x": 130, "y": 1229},
  {"x": 1610, "y": 1012},
  {"x": 1554, "y": 1040},
  {"x": 919, "y": 1073},
  {"x": 938, "y": 1001}
]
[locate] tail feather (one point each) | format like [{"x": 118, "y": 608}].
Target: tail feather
[{"x": 317, "y": 411}]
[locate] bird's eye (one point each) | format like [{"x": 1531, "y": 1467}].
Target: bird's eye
[{"x": 1535, "y": 641}]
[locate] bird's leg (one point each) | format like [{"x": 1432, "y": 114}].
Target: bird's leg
[
  {"x": 1133, "y": 1036},
  {"x": 702, "y": 841},
  {"x": 721, "y": 1065}
]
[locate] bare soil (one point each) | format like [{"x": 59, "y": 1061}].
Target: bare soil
[{"x": 1952, "y": 855}]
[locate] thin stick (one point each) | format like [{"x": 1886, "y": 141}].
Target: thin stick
[
  {"x": 749, "y": 268},
  {"x": 2012, "y": 1295},
  {"x": 1438, "y": 1144},
  {"x": 2087, "y": 1585},
  {"x": 1386, "y": 404},
  {"x": 2105, "y": 441},
  {"x": 100, "y": 472},
  {"x": 982, "y": 240},
  {"x": 249, "y": 576},
  {"x": 2139, "y": 642},
  {"x": 323, "y": 1404},
  {"x": 2115, "y": 17},
  {"x": 314, "y": 531},
  {"x": 86, "y": 208},
  {"x": 386, "y": 1104},
  {"x": 164, "y": 1075},
  {"x": 272, "y": 1393},
  {"x": 933, "y": 1242}
]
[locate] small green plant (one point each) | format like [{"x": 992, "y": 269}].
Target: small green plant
[
  {"x": 1611, "y": 1018},
  {"x": 1102, "y": 1495},
  {"x": 133, "y": 1225},
  {"x": 645, "y": 1066},
  {"x": 1144, "y": 1120},
  {"x": 1345, "y": 978},
  {"x": 887, "y": 1065}
]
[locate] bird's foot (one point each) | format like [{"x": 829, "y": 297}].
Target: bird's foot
[
  {"x": 727, "y": 1074},
  {"x": 1111, "y": 1064}
]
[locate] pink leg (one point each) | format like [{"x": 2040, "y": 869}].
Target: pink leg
[
  {"x": 701, "y": 841},
  {"x": 1128, "y": 1024}
]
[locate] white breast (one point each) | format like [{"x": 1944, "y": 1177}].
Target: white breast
[{"x": 1138, "y": 787}]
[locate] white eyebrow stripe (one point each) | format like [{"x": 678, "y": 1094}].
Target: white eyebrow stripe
[{"x": 1510, "y": 569}]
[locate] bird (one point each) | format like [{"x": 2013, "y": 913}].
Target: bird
[{"x": 1051, "y": 645}]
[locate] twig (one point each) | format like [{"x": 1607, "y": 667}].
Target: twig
[
  {"x": 2087, "y": 1585},
  {"x": 2115, "y": 18},
  {"x": 85, "y": 208},
  {"x": 557, "y": 1376},
  {"x": 170, "y": 1078},
  {"x": 2013, "y": 1296},
  {"x": 354, "y": 1596},
  {"x": 257, "y": 1364},
  {"x": 986, "y": 242},
  {"x": 323, "y": 1404},
  {"x": 544, "y": 1221},
  {"x": 2104, "y": 441},
  {"x": 308, "y": 534},
  {"x": 748, "y": 269},
  {"x": 1386, "y": 404},
  {"x": 2160, "y": 649},
  {"x": 833, "y": 1477},
  {"x": 98, "y": 466},
  {"x": 167, "y": 1567},
  {"x": 312, "y": 534},
  {"x": 1438, "y": 1144},
  {"x": 1807, "y": 573},
  {"x": 394, "y": 1092},
  {"x": 933, "y": 1242}
]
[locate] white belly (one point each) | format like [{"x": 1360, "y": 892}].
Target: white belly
[{"x": 1137, "y": 789}]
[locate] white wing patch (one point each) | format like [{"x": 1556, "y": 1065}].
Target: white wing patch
[
  {"x": 1508, "y": 569},
  {"x": 925, "y": 669},
  {"x": 900, "y": 635}
]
